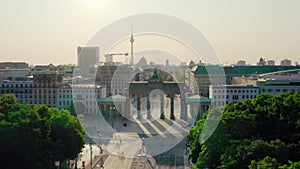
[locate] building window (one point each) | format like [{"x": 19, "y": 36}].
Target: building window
[{"x": 235, "y": 97}]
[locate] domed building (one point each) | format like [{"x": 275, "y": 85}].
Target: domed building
[
  {"x": 142, "y": 62},
  {"x": 261, "y": 62}
]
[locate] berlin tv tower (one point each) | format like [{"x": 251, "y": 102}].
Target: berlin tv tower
[{"x": 131, "y": 41}]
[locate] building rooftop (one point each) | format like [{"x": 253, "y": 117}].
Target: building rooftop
[
  {"x": 234, "y": 86},
  {"x": 240, "y": 70}
]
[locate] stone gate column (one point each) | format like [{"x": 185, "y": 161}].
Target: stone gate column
[
  {"x": 172, "y": 116},
  {"x": 128, "y": 106},
  {"x": 183, "y": 108},
  {"x": 192, "y": 111},
  {"x": 148, "y": 108},
  {"x": 139, "y": 102},
  {"x": 162, "y": 102}
]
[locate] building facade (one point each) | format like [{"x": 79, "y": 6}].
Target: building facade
[
  {"x": 83, "y": 96},
  {"x": 45, "y": 88},
  {"x": 225, "y": 94},
  {"x": 278, "y": 86},
  {"x": 23, "y": 90}
]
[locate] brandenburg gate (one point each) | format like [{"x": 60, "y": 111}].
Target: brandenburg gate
[{"x": 140, "y": 89}]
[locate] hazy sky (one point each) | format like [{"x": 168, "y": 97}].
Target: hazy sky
[{"x": 41, "y": 32}]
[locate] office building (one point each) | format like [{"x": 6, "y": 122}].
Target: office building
[
  {"x": 45, "y": 88},
  {"x": 23, "y": 90},
  {"x": 83, "y": 96},
  {"x": 87, "y": 59},
  {"x": 224, "y": 94},
  {"x": 273, "y": 86}
]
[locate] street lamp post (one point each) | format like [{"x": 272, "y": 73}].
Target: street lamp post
[
  {"x": 101, "y": 150},
  {"x": 91, "y": 155},
  {"x": 110, "y": 117}
]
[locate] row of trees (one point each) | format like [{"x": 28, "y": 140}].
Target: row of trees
[
  {"x": 35, "y": 136},
  {"x": 263, "y": 133}
]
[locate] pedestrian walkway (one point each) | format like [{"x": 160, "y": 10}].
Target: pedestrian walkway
[{"x": 85, "y": 156}]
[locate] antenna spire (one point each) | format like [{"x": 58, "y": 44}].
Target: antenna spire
[{"x": 131, "y": 41}]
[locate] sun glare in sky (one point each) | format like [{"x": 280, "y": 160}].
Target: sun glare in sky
[{"x": 42, "y": 32}]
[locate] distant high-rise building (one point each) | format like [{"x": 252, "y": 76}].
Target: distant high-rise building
[
  {"x": 167, "y": 62},
  {"x": 87, "y": 58},
  {"x": 270, "y": 62},
  {"x": 286, "y": 62}
]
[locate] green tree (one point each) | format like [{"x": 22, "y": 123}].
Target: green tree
[
  {"x": 292, "y": 165},
  {"x": 266, "y": 163},
  {"x": 250, "y": 131},
  {"x": 67, "y": 135},
  {"x": 34, "y": 136}
]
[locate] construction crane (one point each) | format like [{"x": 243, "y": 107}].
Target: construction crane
[{"x": 109, "y": 56}]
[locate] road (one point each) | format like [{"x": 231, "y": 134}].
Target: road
[{"x": 140, "y": 141}]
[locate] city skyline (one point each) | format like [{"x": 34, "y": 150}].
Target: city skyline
[{"x": 49, "y": 32}]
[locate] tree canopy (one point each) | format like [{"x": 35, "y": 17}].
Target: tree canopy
[
  {"x": 262, "y": 133},
  {"x": 35, "y": 136}
]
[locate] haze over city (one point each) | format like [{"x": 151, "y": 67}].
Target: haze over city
[
  {"x": 132, "y": 84},
  {"x": 50, "y": 31}
]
